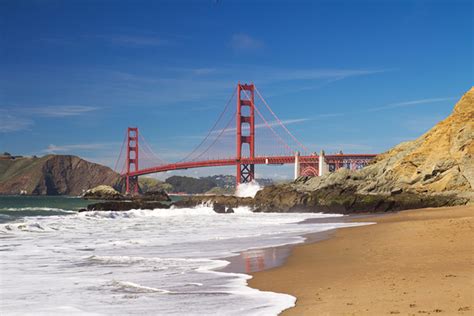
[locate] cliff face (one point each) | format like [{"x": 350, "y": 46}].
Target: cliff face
[
  {"x": 53, "y": 175},
  {"x": 440, "y": 162}
]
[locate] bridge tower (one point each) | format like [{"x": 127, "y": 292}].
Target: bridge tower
[
  {"x": 132, "y": 160},
  {"x": 245, "y": 131}
]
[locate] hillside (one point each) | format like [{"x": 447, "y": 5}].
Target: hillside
[
  {"x": 52, "y": 175},
  {"x": 435, "y": 169}
]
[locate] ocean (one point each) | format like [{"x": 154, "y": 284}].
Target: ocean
[{"x": 57, "y": 261}]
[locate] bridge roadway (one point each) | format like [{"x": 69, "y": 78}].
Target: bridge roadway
[{"x": 270, "y": 160}]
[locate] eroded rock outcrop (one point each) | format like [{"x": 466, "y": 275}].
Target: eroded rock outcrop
[
  {"x": 103, "y": 192},
  {"x": 437, "y": 169}
]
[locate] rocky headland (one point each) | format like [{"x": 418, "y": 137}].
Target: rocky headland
[
  {"x": 437, "y": 169},
  {"x": 52, "y": 175}
]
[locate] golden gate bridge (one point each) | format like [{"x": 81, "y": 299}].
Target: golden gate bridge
[{"x": 244, "y": 135}]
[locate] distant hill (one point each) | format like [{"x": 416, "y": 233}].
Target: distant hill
[
  {"x": 52, "y": 175},
  {"x": 218, "y": 184}
]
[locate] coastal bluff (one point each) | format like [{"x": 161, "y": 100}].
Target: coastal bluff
[
  {"x": 53, "y": 175},
  {"x": 437, "y": 169}
]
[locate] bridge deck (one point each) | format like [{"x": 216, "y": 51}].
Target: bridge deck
[{"x": 270, "y": 160}]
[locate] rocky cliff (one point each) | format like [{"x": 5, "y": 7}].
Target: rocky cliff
[
  {"x": 434, "y": 170},
  {"x": 53, "y": 175}
]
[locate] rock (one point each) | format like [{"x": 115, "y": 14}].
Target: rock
[
  {"x": 157, "y": 195},
  {"x": 219, "y": 208},
  {"x": 222, "y": 209},
  {"x": 343, "y": 200},
  {"x": 228, "y": 201},
  {"x": 103, "y": 192},
  {"x": 396, "y": 191}
]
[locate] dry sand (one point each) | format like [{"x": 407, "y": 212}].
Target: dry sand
[{"x": 415, "y": 262}]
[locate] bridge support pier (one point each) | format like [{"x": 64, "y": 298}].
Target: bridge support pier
[
  {"x": 297, "y": 165},
  {"x": 131, "y": 182},
  {"x": 131, "y": 185},
  {"x": 323, "y": 166},
  {"x": 245, "y": 171}
]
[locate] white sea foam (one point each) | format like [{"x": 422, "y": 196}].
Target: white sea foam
[
  {"x": 249, "y": 189},
  {"x": 21, "y": 209},
  {"x": 135, "y": 288},
  {"x": 142, "y": 261}
]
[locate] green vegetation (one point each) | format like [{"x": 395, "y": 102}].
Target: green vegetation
[
  {"x": 190, "y": 185},
  {"x": 151, "y": 184}
]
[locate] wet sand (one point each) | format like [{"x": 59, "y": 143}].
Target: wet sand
[
  {"x": 411, "y": 263},
  {"x": 261, "y": 259}
]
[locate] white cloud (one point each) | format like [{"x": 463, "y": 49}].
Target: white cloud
[
  {"x": 60, "y": 110},
  {"x": 10, "y": 123},
  {"x": 410, "y": 103},
  {"x": 262, "y": 125},
  {"x": 313, "y": 74},
  {"x": 138, "y": 40},
  {"x": 52, "y": 149},
  {"x": 244, "y": 43}
]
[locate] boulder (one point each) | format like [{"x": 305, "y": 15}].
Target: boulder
[
  {"x": 157, "y": 195},
  {"x": 222, "y": 209},
  {"x": 103, "y": 192}
]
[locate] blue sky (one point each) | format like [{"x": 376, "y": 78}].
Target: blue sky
[{"x": 360, "y": 76}]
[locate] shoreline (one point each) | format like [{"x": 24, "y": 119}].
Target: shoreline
[
  {"x": 261, "y": 259},
  {"x": 411, "y": 262}
]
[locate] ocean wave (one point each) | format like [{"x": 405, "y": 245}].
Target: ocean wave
[
  {"x": 24, "y": 227},
  {"x": 202, "y": 210},
  {"x": 200, "y": 264},
  {"x": 131, "y": 287},
  {"x": 36, "y": 208}
]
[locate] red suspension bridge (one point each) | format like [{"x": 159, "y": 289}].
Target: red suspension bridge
[{"x": 243, "y": 136}]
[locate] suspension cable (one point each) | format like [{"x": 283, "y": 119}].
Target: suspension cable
[
  {"x": 121, "y": 150},
  {"x": 151, "y": 150},
  {"x": 218, "y": 136},
  {"x": 281, "y": 123},
  {"x": 268, "y": 125}
]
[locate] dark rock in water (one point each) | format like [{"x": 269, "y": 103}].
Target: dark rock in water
[
  {"x": 228, "y": 201},
  {"x": 344, "y": 200},
  {"x": 159, "y": 195},
  {"x": 219, "y": 208},
  {"x": 222, "y": 209},
  {"x": 126, "y": 205}
]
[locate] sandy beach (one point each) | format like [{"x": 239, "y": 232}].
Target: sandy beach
[{"x": 410, "y": 263}]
